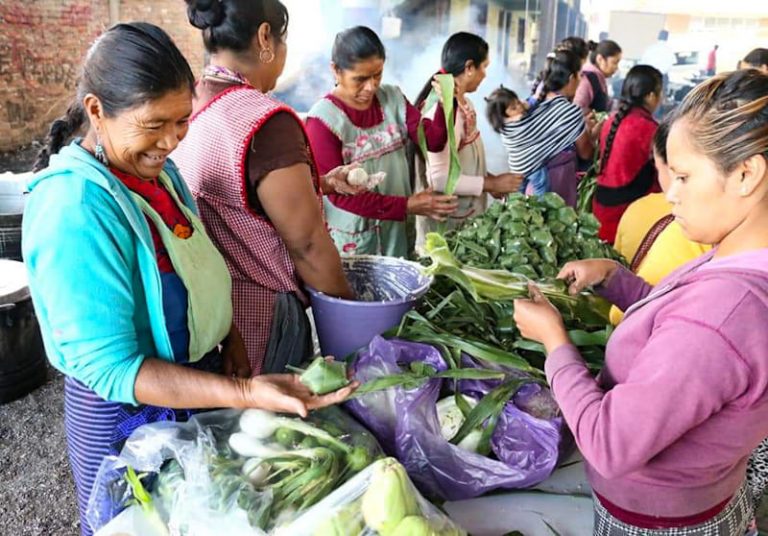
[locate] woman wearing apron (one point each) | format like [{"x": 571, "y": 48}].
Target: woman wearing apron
[
  {"x": 465, "y": 56},
  {"x": 248, "y": 164},
  {"x": 364, "y": 121},
  {"x": 669, "y": 425},
  {"x": 132, "y": 297}
]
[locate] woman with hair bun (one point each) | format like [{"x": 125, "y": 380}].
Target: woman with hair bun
[
  {"x": 668, "y": 426},
  {"x": 249, "y": 165}
]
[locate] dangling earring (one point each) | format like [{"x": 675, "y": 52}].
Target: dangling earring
[
  {"x": 100, "y": 153},
  {"x": 266, "y": 55}
]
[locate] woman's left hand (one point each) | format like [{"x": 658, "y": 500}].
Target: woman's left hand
[
  {"x": 538, "y": 320},
  {"x": 235, "y": 355},
  {"x": 335, "y": 181}
]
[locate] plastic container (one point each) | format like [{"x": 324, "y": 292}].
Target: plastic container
[
  {"x": 12, "y": 187},
  {"x": 387, "y": 288}
]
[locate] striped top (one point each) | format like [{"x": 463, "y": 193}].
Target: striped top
[{"x": 544, "y": 132}]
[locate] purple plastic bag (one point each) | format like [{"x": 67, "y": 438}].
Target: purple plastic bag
[{"x": 406, "y": 424}]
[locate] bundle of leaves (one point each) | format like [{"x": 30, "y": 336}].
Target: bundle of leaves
[{"x": 531, "y": 236}]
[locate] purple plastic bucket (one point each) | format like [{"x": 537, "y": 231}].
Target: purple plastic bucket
[{"x": 387, "y": 288}]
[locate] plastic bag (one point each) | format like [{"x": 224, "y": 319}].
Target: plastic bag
[
  {"x": 380, "y": 499},
  {"x": 407, "y": 426},
  {"x": 201, "y": 483}
]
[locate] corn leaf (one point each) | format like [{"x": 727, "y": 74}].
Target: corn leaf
[{"x": 491, "y": 404}]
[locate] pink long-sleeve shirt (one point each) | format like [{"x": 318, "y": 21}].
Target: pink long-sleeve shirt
[{"x": 669, "y": 424}]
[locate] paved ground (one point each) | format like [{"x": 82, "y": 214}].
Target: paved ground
[{"x": 37, "y": 495}]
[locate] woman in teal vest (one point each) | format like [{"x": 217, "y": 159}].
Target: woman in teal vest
[
  {"x": 132, "y": 298},
  {"x": 364, "y": 121}
]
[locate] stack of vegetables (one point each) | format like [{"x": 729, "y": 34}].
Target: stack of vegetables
[
  {"x": 468, "y": 316},
  {"x": 249, "y": 472},
  {"x": 531, "y": 236}
]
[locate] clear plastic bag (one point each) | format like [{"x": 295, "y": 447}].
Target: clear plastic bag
[
  {"x": 203, "y": 482},
  {"x": 380, "y": 500}
]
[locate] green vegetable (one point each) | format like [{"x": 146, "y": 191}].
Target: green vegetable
[
  {"x": 287, "y": 437},
  {"x": 523, "y": 226},
  {"x": 323, "y": 376},
  {"x": 389, "y": 498},
  {"x": 489, "y": 408},
  {"x": 485, "y": 284},
  {"x": 419, "y": 373},
  {"x": 142, "y": 498},
  {"x": 346, "y": 521}
]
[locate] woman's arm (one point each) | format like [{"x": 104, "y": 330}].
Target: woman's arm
[
  {"x": 584, "y": 94},
  {"x": 435, "y": 132},
  {"x": 290, "y": 202},
  {"x": 585, "y": 147}
]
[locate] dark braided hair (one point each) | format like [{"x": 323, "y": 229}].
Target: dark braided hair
[
  {"x": 128, "y": 65},
  {"x": 563, "y": 66},
  {"x": 641, "y": 80}
]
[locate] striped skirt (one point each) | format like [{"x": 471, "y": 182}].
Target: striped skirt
[
  {"x": 734, "y": 520},
  {"x": 96, "y": 428}
]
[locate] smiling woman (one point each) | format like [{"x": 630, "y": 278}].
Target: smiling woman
[{"x": 132, "y": 297}]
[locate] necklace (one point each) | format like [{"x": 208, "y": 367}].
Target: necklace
[{"x": 218, "y": 72}]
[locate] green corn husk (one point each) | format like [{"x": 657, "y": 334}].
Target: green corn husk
[
  {"x": 323, "y": 376},
  {"x": 500, "y": 285},
  {"x": 419, "y": 373},
  {"x": 488, "y": 409}
]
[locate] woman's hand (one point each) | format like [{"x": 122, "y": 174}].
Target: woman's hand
[
  {"x": 538, "y": 320},
  {"x": 284, "y": 393},
  {"x": 500, "y": 185},
  {"x": 435, "y": 206},
  {"x": 235, "y": 355},
  {"x": 335, "y": 181},
  {"x": 582, "y": 274}
]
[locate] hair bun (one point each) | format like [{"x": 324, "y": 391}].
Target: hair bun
[
  {"x": 204, "y": 14},
  {"x": 591, "y": 46}
]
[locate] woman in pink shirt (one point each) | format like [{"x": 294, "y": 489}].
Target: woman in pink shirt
[
  {"x": 592, "y": 93},
  {"x": 669, "y": 425}
]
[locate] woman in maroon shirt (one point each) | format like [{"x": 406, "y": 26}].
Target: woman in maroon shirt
[{"x": 362, "y": 121}]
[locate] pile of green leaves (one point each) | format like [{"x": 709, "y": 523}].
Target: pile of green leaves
[
  {"x": 470, "y": 310},
  {"x": 530, "y": 236}
]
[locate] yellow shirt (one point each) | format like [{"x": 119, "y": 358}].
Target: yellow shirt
[
  {"x": 637, "y": 221},
  {"x": 670, "y": 251}
]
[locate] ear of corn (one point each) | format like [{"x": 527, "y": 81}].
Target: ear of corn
[{"x": 389, "y": 498}]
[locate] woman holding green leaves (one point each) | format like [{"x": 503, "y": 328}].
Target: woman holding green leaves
[
  {"x": 459, "y": 166},
  {"x": 364, "y": 121}
]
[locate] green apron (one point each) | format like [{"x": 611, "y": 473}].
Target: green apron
[
  {"x": 204, "y": 273},
  {"x": 379, "y": 148}
]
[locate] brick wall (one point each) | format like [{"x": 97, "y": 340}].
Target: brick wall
[
  {"x": 42, "y": 44},
  {"x": 170, "y": 15}
]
